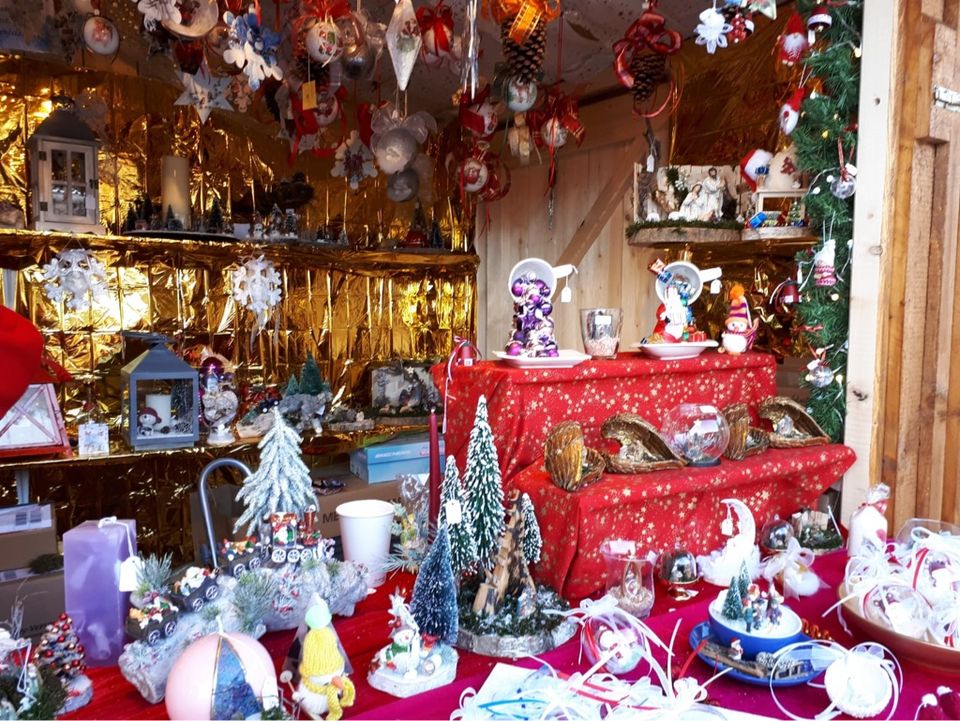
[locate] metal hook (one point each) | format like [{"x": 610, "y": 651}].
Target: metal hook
[{"x": 204, "y": 502}]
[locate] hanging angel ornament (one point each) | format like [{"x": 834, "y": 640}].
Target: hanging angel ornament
[
  {"x": 353, "y": 161},
  {"x": 76, "y": 277},
  {"x": 252, "y": 47},
  {"x": 712, "y": 29},
  {"x": 256, "y": 287},
  {"x": 403, "y": 41}
]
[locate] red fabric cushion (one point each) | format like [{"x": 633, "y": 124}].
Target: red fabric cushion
[{"x": 20, "y": 347}]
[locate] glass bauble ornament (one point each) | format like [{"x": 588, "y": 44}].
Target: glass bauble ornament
[
  {"x": 395, "y": 150},
  {"x": 357, "y": 61},
  {"x": 554, "y": 134},
  {"x": 775, "y": 535},
  {"x": 820, "y": 376},
  {"x": 899, "y": 608},
  {"x": 323, "y": 42},
  {"x": 843, "y": 187},
  {"x": 100, "y": 35},
  {"x": 403, "y": 186},
  {"x": 474, "y": 175},
  {"x": 519, "y": 96},
  {"x": 615, "y": 637},
  {"x": 677, "y": 569},
  {"x": 697, "y": 432}
]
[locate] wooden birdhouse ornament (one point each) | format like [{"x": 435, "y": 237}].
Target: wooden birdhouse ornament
[{"x": 63, "y": 175}]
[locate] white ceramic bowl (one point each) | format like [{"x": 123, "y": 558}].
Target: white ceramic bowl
[{"x": 675, "y": 351}]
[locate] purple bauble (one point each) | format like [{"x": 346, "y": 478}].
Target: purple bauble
[
  {"x": 552, "y": 353},
  {"x": 546, "y": 307},
  {"x": 519, "y": 336},
  {"x": 535, "y": 299},
  {"x": 514, "y": 348},
  {"x": 517, "y": 288}
]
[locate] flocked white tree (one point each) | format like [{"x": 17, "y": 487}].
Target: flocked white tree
[
  {"x": 530, "y": 541},
  {"x": 463, "y": 549},
  {"x": 282, "y": 483},
  {"x": 484, "y": 489}
]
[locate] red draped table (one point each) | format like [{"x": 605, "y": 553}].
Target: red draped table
[
  {"x": 366, "y": 632},
  {"x": 659, "y": 508},
  {"x": 525, "y": 404}
]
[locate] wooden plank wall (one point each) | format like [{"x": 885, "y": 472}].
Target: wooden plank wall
[
  {"x": 611, "y": 272},
  {"x": 919, "y": 429}
]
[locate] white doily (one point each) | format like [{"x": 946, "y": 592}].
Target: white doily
[{"x": 256, "y": 287}]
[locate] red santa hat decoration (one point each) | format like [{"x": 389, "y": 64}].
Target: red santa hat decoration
[
  {"x": 793, "y": 42},
  {"x": 790, "y": 111},
  {"x": 819, "y": 21},
  {"x": 754, "y": 164}
]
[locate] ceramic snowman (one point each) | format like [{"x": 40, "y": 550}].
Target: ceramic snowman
[{"x": 740, "y": 332}]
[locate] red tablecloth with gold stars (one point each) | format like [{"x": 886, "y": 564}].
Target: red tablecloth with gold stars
[
  {"x": 660, "y": 508},
  {"x": 525, "y": 404}
]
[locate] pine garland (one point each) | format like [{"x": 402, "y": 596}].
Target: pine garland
[{"x": 827, "y": 115}]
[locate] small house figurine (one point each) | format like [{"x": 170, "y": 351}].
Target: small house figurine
[{"x": 63, "y": 175}]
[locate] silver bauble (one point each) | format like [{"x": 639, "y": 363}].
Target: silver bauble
[
  {"x": 395, "y": 150},
  {"x": 403, "y": 186},
  {"x": 357, "y": 61}
]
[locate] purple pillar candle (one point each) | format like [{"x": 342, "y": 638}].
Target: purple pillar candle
[{"x": 92, "y": 554}]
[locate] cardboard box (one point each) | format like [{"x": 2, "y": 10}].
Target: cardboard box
[
  {"x": 19, "y": 548},
  {"x": 382, "y": 462},
  {"x": 42, "y": 597},
  {"x": 354, "y": 490}
]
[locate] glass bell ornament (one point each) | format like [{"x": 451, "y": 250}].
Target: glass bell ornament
[
  {"x": 677, "y": 569},
  {"x": 775, "y": 535},
  {"x": 697, "y": 432},
  {"x": 899, "y": 608}
]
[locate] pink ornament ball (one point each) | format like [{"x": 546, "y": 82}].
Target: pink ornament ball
[
  {"x": 517, "y": 288},
  {"x": 190, "y": 685},
  {"x": 514, "y": 348}
]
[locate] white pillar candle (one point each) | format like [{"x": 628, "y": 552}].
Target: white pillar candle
[
  {"x": 160, "y": 403},
  {"x": 175, "y": 187}
]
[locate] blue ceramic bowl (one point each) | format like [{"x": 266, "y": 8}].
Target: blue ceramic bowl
[{"x": 790, "y": 630}]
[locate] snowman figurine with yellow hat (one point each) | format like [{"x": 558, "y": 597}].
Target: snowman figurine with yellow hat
[
  {"x": 324, "y": 686},
  {"x": 740, "y": 331}
]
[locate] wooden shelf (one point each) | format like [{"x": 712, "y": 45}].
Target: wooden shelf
[
  {"x": 777, "y": 240},
  {"x": 661, "y": 236},
  {"x": 778, "y": 233},
  {"x": 19, "y": 248}
]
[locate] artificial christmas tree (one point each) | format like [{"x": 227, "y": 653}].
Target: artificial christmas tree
[
  {"x": 733, "y": 603},
  {"x": 311, "y": 383},
  {"x": 455, "y": 515},
  {"x": 484, "y": 489},
  {"x": 530, "y": 541},
  {"x": 282, "y": 483},
  {"x": 293, "y": 387},
  {"x": 60, "y": 651},
  {"x": 434, "y": 604}
]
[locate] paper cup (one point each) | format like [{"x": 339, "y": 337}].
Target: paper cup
[{"x": 365, "y": 533}]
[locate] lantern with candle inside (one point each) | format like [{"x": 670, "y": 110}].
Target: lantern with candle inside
[
  {"x": 63, "y": 174},
  {"x": 162, "y": 397},
  {"x": 222, "y": 676},
  {"x": 697, "y": 432}
]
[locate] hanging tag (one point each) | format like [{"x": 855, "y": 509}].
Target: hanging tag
[
  {"x": 566, "y": 295},
  {"x": 308, "y": 94},
  {"x": 603, "y": 320},
  {"x": 452, "y": 512},
  {"x": 851, "y": 170},
  {"x": 651, "y": 163},
  {"x": 129, "y": 574},
  {"x": 715, "y": 287},
  {"x": 726, "y": 526}
]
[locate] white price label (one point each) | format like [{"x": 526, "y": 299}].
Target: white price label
[
  {"x": 603, "y": 321},
  {"x": 452, "y": 512},
  {"x": 129, "y": 572},
  {"x": 726, "y": 527}
]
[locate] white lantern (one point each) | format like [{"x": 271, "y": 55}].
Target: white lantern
[{"x": 63, "y": 175}]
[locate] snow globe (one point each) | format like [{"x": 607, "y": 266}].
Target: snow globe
[
  {"x": 775, "y": 535},
  {"x": 677, "y": 569},
  {"x": 697, "y": 432}
]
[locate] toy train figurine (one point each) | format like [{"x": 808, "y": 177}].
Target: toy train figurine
[
  {"x": 194, "y": 588},
  {"x": 155, "y": 621},
  {"x": 284, "y": 538}
]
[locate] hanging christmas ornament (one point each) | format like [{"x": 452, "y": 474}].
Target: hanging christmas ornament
[
  {"x": 395, "y": 138},
  {"x": 240, "y": 94},
  {"x": 403, "y": 41},
  {"x": 824, "y": 273},
  {"x": 204, "y": 92},
  {"x": 519, "y": 95},
  {"x": 844, "y": 185},
  {"x": 712, "y": 30},
  {"x": 353, "y": 161},
  {"x": 403, "y": 186},
  {"x": 436, "y": 28},
  {"x": 257, "y": 288},
  {"x": 252, "y": 47},
  {"x": 792, "y": 45},
  {"x": 156, "y": 11},
  {"x": 766, "y": 7},
  {"x": 216, "y": 42},
  {"x": 754, "y": 166},
  {"x": 323, "y": 41},
  {"x": 784, "y": 298},
  {"x": 328, "y": 104},
  {"x": 479, "y": 114},
  {"x": 197, "y": 18},
  {"x": 520, "y": 139},
  {"x": 640, "y": 59},
  {"x": 741, "y": 25},
  {"x": 360, "y": 47},
  {"x": 819, "y": 374},
  {"x": 498, "y": 178},
  {"x": 523, "y": 33},
  {"x": 557, "y": 119},
  {"x": 790, "y": 111},
  {"x": 473, "y": 172},
  {"x": 76, "y": 277},
  {"x": 818, "y": 22},
  {"x": 189, "y": 55},
  {"x": 100, "y": 35}
]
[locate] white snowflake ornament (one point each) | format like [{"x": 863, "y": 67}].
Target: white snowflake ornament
[
  {"x": 712, "y": 30},
  {"x": 252, "y": 47},
  {"x": 204, "y": 92},
  {"x": 75, "y": 276},
  {"x": 256, "y": 287},
  {"x": 353, "y": 161}
]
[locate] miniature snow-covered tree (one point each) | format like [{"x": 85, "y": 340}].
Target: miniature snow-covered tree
[
  {"x": 311, "y": 383},
  {"x": 282, "y": 482},
  {"x": 742, "y": 580},
  {"x": 172, "y": 222},
  {"x": 484, "y": 489},
  {"x": 733, "y": 603},
  {"x": 530, "y": 541},
  {"x": 59, "y": 650},
  {"x": 463, "y": 549},
  {"x": 434, "y": 604}
]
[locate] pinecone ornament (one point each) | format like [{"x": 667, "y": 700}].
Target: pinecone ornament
[
  {"x": 525, "y": 61},
  {"x": 649, "y": 70}
]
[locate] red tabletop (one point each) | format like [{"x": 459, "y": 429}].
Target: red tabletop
[
  {"x": 660, "y": 508},
  {"x": 525, "y": 404},
  {"x": 366, "y": 632}
]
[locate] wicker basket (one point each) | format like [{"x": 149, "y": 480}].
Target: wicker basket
[
  {"x": 744, "y": 440},
  {"x": 641, "y": 448},
  {"x": 569, "y": 462},
  {"x": 792, "y": 425}
]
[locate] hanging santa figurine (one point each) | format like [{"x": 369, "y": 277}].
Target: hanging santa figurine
[
  {"x": 790, "y": 111},
  {"x": 793, "y": 43}
]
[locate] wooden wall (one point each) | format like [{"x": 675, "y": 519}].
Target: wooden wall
[{"x": 611, "y": 273}]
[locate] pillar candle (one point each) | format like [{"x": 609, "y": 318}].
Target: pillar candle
[
  {"x": 434, "y": 508},
  {"x": 159, "y": 402},
  {"x": 175, "y": 187},
  {"x": 92, "y": 554}
]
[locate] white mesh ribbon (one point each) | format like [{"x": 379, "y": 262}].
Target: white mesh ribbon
[{"x": 793, "y": 564}]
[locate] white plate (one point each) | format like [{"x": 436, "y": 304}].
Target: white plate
[
  {"x": 566, "y": 359},
  {"x": 674, "y": 351}
]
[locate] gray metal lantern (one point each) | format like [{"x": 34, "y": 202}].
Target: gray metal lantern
[{"x": 162, "y": 395}]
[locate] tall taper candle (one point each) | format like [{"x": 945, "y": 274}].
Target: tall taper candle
[{"x": 434, "y": 508}]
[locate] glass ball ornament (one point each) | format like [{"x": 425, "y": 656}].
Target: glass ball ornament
[
  {"x": 323, "y": 42},
  {"x": 474, "y": 175},
  {"x": 554, "y": 134},
  {"x": 698, "y": 432},
  {"x": 520, "y": 96},
  {"x": 403, "y": 186},
  {"x": 100, "y": 35},
  {"x": 843, "y": 188},
  {"x": 357, "y": 61},
  {"x": 899, "y": 608},
  {"x": 776, "y": 534},
  {"x": 820, "y": 376},
  {"x": 395, "y": 150},
  {"x": 614, "y": 638}
]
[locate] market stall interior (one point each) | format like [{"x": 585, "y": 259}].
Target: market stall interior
[{"x": 353, "y": 345}]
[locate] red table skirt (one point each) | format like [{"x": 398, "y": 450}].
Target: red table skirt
[
  {"x": 660, "y": 508},
  {"x": 366, "y": 632},
  {"x": 525, "y": 404}
]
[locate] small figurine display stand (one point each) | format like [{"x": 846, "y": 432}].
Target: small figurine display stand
[
  {"x": 868, "y": 524},
  {"x": 324, "y": 689}
]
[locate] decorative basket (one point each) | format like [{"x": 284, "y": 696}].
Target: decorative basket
[
  {"x": 642, "y": 449},
  {"x": 744, "y": 440},
  {"x": 569, "y": 462},
  {"x": 792, "y": 425}
]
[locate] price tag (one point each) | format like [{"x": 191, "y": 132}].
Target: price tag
[
  {"x": 308, "y": 94},
  {"x": 129, "y": 573},
  {"x": 726, "y": 527},
  {"x": 715, "y": 287},
  {"x": 603, "y": 321},
  {"x": 452, "y": 512},
  {"x": 566, "y": 295}
]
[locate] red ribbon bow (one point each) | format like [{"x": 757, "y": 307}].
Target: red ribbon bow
[
  {"x": 564, "y": 108},
  {"x": 316, "y": 10},
  {"x": 469, "y": 119},
  {"x": 439, "y": 19},
  {"x": 648, "y": 31}
]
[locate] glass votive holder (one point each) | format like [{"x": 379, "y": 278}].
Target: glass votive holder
[
  {"x": 600, "y": 329},
  {"x": 629, "y": 576}
]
